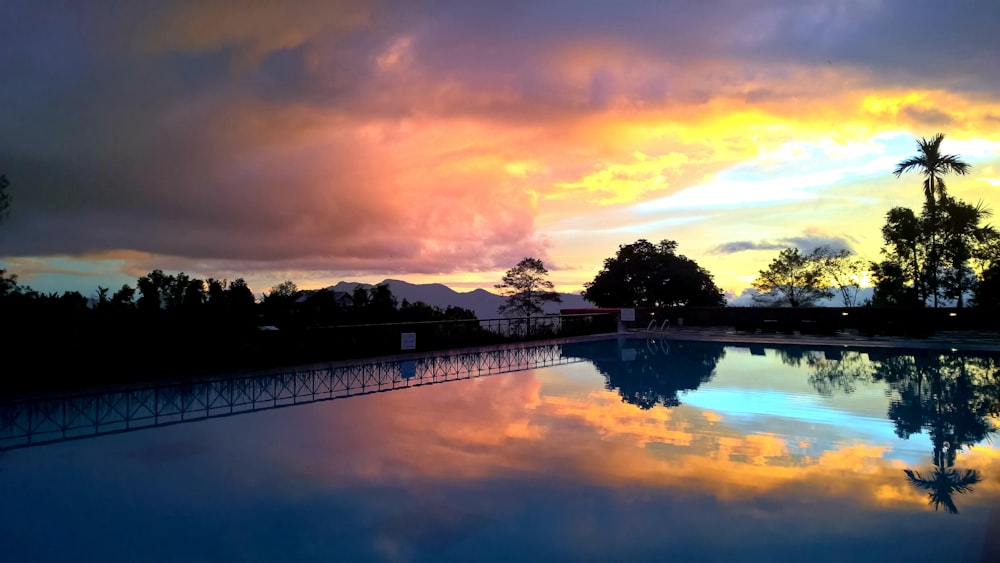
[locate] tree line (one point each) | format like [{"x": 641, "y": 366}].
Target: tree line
[
  {"x": 165, "y": 298},
  {"x": 286, "y": 305}
]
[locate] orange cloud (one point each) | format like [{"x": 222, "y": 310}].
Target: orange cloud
[
  {"x": 493, "y": 426},
  {"x": 334, "y": 139}
]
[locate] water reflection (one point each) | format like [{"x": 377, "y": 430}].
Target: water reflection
[
  {"x": 702, "y": 451},
  {"x": 33, "y": 422},
  {"x": 653, "y": 372},
  {"x": 952, "y": 398},
  {"x": 955, "y": 399}
]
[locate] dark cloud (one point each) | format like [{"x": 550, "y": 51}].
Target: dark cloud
[
  {"x": 278, "y": 134},
  {"x": 805, "y": 243},
  {"x": 810, "y": 242},
  {"x": 927, "y": 116},
  {"x": 900, "y": 43},
  {"x": 550, "y": 56},
  {"x": 743, "y": 245},
  {"x": 678, "y": 46}
]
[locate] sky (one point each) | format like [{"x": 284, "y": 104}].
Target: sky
[{"x": 444, "y": 141}]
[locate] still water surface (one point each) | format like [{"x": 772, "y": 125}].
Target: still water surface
[{"x": 633, "y": 450}]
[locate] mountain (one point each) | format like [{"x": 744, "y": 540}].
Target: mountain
[{"x": 482, "y": 302}]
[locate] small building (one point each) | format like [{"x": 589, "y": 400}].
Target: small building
[{"x": 343, "y": 299}]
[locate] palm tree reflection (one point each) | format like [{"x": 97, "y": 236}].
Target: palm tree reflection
[
  {"x": 951, "y": 397},
  {"x": 943, "y": 484}
]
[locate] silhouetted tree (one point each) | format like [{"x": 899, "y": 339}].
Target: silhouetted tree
[
  {"x": 791, "y": 279},
  {"x": 891, "y": 287},
  {"x": 452, "y": 313},
  {"x": 8, "y": 283},
  {"x": 278, "y": 305},
  {"x": 419, "y": 311},
  {"x": 152, "y": 287},
  {"x": 904, "y": 235},
  {"x": 988, "y": 290},
  {"x": 933, "y": 166},
  {"x": 195, "y": 296},
  {"x": 840, "y": 269},
  {"x": 123, "y": 299},
  {"x": 360, "y": 298},
  {"x": 103, "y": 303},
  {"x": 961, "y": 237},
  {"x": 643, "y": 274},
  {"x": 74, "y": 302},
  {"x": 526, "y": 289},
  {"x": 241, "y": 301},
  {"x": 416, "y": 311},
  {"x": 173, "y": 291},
  {"x": 381, "y": 306},
  {"x": 931, "y": 255},
  {"x": 216, "y": 294},
  {"x": 283, "y": 291}
]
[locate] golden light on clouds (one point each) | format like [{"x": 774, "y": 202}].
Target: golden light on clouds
[
  {"x": 368, "y": 141},
  {"x": 508, "y": 423},
  {"x": 625, "y": 182}
]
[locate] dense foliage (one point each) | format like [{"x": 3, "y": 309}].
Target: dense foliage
[
  {"x": 930, "y": 257},
  {"x": 172, "y": 299},
  {"x": 792, "y": 279},
  {"x": 643, "y": 274}
]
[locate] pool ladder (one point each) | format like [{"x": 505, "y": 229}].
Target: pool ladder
[{"x": 662, "y": 328}]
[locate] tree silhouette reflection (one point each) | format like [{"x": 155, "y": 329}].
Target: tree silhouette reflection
[
  {"x": 944, "y": 484},
  {"x": 949, "y": 396},
  {"x": 650, "y": 373},
  {"x": 839, "y": 372},
  {"x": 831, "y": 371},
  {"x": 952, "y": 398}
]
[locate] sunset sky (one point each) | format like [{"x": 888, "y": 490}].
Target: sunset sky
[{"x": 444, "y": 141}]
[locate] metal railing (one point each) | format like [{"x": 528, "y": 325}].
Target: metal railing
[
  {"x": 29, "y": 423},
  {"x": 526, "y": 328}
]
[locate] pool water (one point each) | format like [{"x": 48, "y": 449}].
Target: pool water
[{"x": 604, "y": 450}]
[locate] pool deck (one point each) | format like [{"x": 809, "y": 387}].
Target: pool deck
[{"x": 944, "y": 340}]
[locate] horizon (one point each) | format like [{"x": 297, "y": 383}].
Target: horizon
[{"x": 442, "y": 144}]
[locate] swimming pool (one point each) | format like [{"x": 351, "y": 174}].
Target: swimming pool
[{"x": 611, "y": 449}]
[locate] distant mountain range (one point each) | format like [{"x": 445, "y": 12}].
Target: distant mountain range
[{"x": 482, "y": 302}]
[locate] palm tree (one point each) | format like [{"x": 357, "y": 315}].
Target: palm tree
[{"x": 933, "y": 165}]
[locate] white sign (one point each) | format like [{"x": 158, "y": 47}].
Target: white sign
[
  {"x": 408, "y": 341},
  {"x": 628, "y": 315}
]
